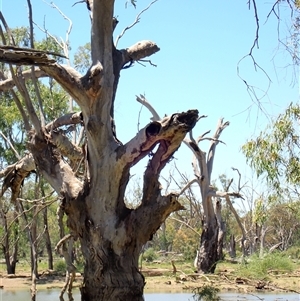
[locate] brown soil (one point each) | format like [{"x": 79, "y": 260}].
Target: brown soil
[{"x": 158, "y": 280}]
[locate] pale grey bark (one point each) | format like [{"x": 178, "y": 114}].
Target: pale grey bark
[
  {"x": 111, "y": 235},
  {"x": 211, "y": 242},
  {"x": 9, "y": 83}
]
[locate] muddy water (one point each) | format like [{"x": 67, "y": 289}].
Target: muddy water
[{"x": 52, "y": 295}]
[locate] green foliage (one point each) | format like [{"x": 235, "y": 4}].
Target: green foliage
[
  {"x": 134, "y": 194},
  {"x": 50, "y": 44},
  {"x": 55, "y": 100},
  {"x": 82, "y": 58},
  {"x": 276, "y": 151},
  {"x": 186, "y": 242},
  {"x": 21, "y": 36},
  {"x": 293, "y": 252},
  {"x": 260, "y": 212},
  {"x": 284, "y": 224},
  {"x": 257, "y": 268},
  {"x": 150, "y": 255},
  {"x": 60, "y": 266},
  {"x": 206, "y": 293}
]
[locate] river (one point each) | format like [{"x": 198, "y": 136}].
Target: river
[{"x": 52, "y": 295}]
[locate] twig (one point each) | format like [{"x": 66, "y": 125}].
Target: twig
[
  {"x": 137, "y": 20},
  {"x": 187, "y": 225},
  {"x": 141, "y": 99},
  {"x": 64, "y": 239},
  {"x": 188, "y": 185},
  {"x": 12, "y": 147},
  {"x": 146, "y": 61}
]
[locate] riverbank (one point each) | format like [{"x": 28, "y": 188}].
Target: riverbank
[{"x": 160, "y": 280}]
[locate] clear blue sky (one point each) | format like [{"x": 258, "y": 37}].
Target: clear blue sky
[{"x": 201, "y": 44}]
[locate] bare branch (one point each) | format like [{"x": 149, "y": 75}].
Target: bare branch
[
  {"x": 273, "y": 10},
  {"x": 20, "y": 82},
  {"x": 11, "y": 146},
  {"x": 211, "y": 153},
  {"x": 255, "y": 43},
  {"x": 26, "y": 56},
  {"x": 188, "y": 185},
  {"x": 71, "y": 118},
  {"x": 8, "y": 84},
  {"x": 45, "y": 204},
  {"x": 66, "y": 147},
  {"x": 4, "y": 172},
  {"x": 146, "y": 61},
  {"x": 67, "y": 77},
  {"x": 161, "y": 208},
  {"x": 186, "y": 224},
  {"x": 139, "y": 51},
  {"x": 137, "y": 20},
  {"x": 64, "y": 44},
  {"x": 224, "y": 194},
  {"x": 63, "y": 240},
  {"x": 15, "y": 174},
  {"x": 40, "y": 201},
  {"x": 201, "y": 137},
  {"x": 239, "y": 182},
  {"x": 142, "y": 100},
  {"x": 169, "y": 132},
  {"x": 71, "y": 80},
  {"x": 200, "y": 169}
]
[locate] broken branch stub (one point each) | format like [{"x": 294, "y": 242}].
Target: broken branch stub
[
  {"x": 23, "y": 56},
  {"x": 141, "y": 50}
]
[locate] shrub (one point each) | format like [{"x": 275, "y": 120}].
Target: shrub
[
  {"x": 293, "y": 252},
  {"x": 206, "y": 293},
  {"x": 186, "y": 242},
  {"x": 149, "y": 255},
  {"x": 60, "y": 266},
  {"x": 258, "y": 268}
]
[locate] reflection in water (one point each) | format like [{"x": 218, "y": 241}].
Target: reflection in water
[
  {"x": 70, "y": 297},
  {"x": 53, "y": 295}
]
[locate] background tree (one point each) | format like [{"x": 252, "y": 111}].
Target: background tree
[
  {"x": 275, "y": 152},
  {"x": 284, "y": 225},
  {"x": 211, "y": 242},
  {"x": 274, "y": 155},
  {"x": 28, "y": 200}
]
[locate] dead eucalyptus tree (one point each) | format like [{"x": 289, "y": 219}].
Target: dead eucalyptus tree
[
  {"x": 211, "y": 241},
  {"x": 92, "y": 179}
]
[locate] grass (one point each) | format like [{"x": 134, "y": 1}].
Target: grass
[
  {"x": 253, "y": 268},
  {"x": 223, "y": 279},
  {"x": 259, "y": 268}
]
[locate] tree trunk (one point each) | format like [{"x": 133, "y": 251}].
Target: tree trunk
[
  {"x": 221, "y": 227},
  {"x": 211, "y": 242},
  {"x": 232, "y": 246},
  {"x": 262, "y": 237},
  {"x": 111, "y": 276},
  {"x": 14, "y": 253},
  {"x": 111, "y": 249},
  {"x": 48, "y": 239},
  {"x": 10, "y": 257},
  {"x": 208, "y": 254},
  {"x": 242, "y": 228}
]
